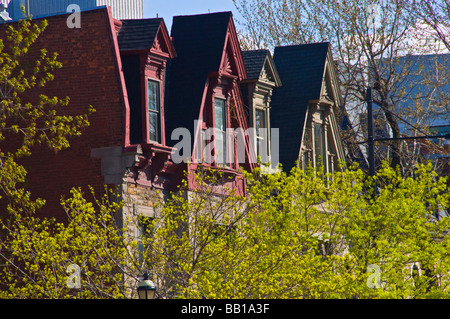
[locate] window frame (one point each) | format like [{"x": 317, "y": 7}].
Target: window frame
[
  {"x": 225, "y": 147},
  {"x": 329, "y": 152},
  {"x": 262, "y": 138},
  {"x": 323, "y": 142},
  {"x": 149, "y": 111}
]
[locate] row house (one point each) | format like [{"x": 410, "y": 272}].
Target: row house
[
  {"x": 203, "y": 98},
  {"x": 306, "y": 108},
  {"x": 169, "y": 104},
  {"x": 256, "y": 91}
]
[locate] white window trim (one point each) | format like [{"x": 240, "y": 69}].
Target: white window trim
[{"x": 264, "y": 109}]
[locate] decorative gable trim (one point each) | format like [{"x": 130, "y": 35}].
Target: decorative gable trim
[
  {"x": 232, "y": 62},
  {"x": 227, "y": 66},
  {"x": 269, "y": 73},
  {"x": 330, "y": 84},
  {"x": 265, "y": 75},
  {"x": 162, "y": 45}
]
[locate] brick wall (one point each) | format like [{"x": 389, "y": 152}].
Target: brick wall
[{"x": 90, "y": 76}]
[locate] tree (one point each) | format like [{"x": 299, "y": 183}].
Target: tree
[
  {"x": 80, "y": 259},
  {"x": 27, "y": 122},
  {"x": 297, "y": 235},
  {"x": 302, "y": 235},
  {"x": 312, "y": 236},
  {"x": 24, "y": 122},
  {"x": 375, "y": 43},
  {"x": 435, "y": 15}
]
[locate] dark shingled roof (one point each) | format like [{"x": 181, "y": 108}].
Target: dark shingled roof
[
  {"x": 199, "y": 41},
  {"x": 301, "y": 69},
  {"x": 254, "y": 62},
  {"x": 138, "y": 34}
]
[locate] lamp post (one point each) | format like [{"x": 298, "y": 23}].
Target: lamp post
[{"x": 146, "y": 288}]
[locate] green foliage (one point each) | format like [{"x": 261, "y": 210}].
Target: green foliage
[
  {"x": 37, "y": 252},
  {"x": 24, "y": 72},
  {"x": 297, "y": 235},
  {"x": 34, "y": 252},
  {"x": 305, "y": 235}
]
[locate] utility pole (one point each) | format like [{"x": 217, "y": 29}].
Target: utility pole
[{"x": 370, "y": 138}]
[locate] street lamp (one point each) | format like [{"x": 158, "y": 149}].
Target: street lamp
[{"x": 146, "y": 288}]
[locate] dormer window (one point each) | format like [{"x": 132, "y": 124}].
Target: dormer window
[
  {"x": 220, "y": 121},
  {"x": 261, "y": 132},
  {"x": 257, "y": 91},
  {"x": 154, "y": 111},
  {"x": 145, "y": 48},
  {"x": 319, "y": 147}
]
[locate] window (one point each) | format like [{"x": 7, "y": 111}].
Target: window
[
  {"x": 307, "y": 152},
  {"x": 306, "y": 161},
  {"x": 331, "y": 159},
  {"x": 154, "y": 109},
  {"x": 220, "y": 114},
  {"x": 319, "y": 145},
  {"x": 144, "y": 231},
  {"x": 204, "y": 154},
  {"x": 261, "y": 134}
]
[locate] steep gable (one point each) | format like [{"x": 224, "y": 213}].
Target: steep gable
[
  {"x": 202, "y": 85},
  {"x": 256, "y": 91},
  {"x": 145, "y": 35},
  {"x": 260, "y": 66},
  {"x": 301, "y": 69},
  {"x": 232, "y": 61},
  {"x": 199, "y": 41},
  {"x": 203, "y": 48}
]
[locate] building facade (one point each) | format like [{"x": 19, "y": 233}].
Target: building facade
[
  {"x": 257, "y": 90},
  {"x": 306, "y": 107},
  {"x": 147, "y": 85}
]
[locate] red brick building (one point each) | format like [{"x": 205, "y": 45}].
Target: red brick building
[
  {"x": 121, "y": 69},
  {"x": 91, "y": 75},
  {"x": 146, "y": 83}
]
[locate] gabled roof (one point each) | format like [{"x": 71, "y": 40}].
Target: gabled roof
[
  {"x": 254, "y": 62},
  {"x": 301, "y": 69},
  {"x": 257, "y": 61},
  {"x": 145, "y": 35},
  {"x": 138, "y": 34},
  {"x": 200, "y": 42}
]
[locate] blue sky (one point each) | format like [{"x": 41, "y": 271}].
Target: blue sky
[{"x": 168, "y": 8}]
